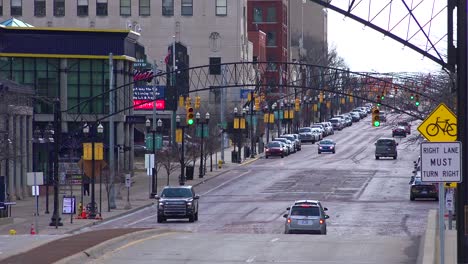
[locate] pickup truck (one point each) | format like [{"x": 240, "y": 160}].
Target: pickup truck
[{"x": 177, "y": 202}]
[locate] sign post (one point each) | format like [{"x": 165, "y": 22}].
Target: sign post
[
  {"x": 35, "y": 179},
  {"x": 128, "y": 183},
  {"x": 440, "y": 162}
]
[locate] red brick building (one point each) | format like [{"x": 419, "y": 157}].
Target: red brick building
[{"x": 270, "y": 16}]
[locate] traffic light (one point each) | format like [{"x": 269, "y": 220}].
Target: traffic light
[
  {"x": 188, "y": 103},
  {"x": 379, "y": 100},
  {"x": 417, "y": 101},
  {"x": 412, "y": 97},
  {"x": 197, "y": 102},
  {"x": 190, "y": 116},
  {"x": 375, "y": 117},
  {"x": 382, "y": 96},
  {"x": 297, "y": 105},
  {"x": 257, "y": 103}
]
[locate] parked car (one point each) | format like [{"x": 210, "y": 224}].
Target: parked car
[
  {"x": 383, "y": 116},
  {"x": 399, "y": 131},
  {"x": 289, "y": 144},
  {"x": 306, "y": 135},
  {"x": 386, "y": 147},
  {"x": 318, "y": 133},
  {"x": 321, "y": 127},
  {"x": 421, "y": 189},
  {"x": 336, "y": 123},
  {"x": 275, "y": 148},
  {"x": 292, "y": 138},
  {"x": 355, "y": 116},
  {"x": 328, "y": 127},
  {"x": 306, "y": 216},
  {"x": 177, "y": 202},
  {"x": 326, "y": 145},
  {"x": 406, "y": 125}
]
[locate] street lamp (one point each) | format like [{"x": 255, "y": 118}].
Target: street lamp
[
  {"x": 180, "y": 132},
  {"x": 86, "y": 131},
  {"x": 154, "y": 171},
  {"x": 202, "y": 136}
]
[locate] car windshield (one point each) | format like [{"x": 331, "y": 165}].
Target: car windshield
[
  {"x": 385, "y": 142},
  {"x": 176, "y": 192},
  {"x": 305, "y": 210},
  {"x": 326, "y": 142},
  {"x": 304, "y": 129},
  {"x": 402, "y": 123},
  {"x": 289, "y": 137},
  {"x": 274, "y": 145},
  {"x": 334, "y": 120},
  {"x": 317, "y": 126}
]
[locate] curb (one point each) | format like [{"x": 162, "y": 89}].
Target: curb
[{"x": 109, "y": 245}]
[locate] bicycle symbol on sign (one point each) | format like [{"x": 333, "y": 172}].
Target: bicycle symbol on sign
[{"x": 433, "y": 128}]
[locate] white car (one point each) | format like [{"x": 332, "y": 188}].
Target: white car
[
  {"x": 328, "y": 128},
  {"x": 322, "y": 129},
  {"x": 317, "y": 132}
]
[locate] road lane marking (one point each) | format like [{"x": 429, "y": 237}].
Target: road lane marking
[
  {"x": 124, "y": 216},
  {"x": 221, "y": 185},
  {"x": 274, "y": 240},
  {"x": 140, "y": 220},
  {"x": 250, "y": 260}
]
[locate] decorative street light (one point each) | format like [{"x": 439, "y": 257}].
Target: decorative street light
[
  {"x": 86, "y": 131},
  {"x": 154, "y": 171},
  {"x": 202, "y": 136},
  {"x": 180, "y": 139}
]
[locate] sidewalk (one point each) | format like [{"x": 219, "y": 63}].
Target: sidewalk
[{"x": 23, "y": 211}]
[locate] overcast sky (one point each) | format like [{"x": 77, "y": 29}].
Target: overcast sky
[{"x": 365, "y": 49}]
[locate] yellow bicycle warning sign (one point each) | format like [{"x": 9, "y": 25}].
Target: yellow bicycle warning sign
[{"x": 440, "y": 125}]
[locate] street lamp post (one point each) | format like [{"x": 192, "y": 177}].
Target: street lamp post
[
  {"x": 86, "y": 131},
  {"x": 49, "y": 136},
  {"x": 182, "y": 155},
  {"x": 251, "y": 132},
  {"x": 55, "y": 219},
  {"x": 154, "y": 171},
  {"x": 202, "y": 136}
]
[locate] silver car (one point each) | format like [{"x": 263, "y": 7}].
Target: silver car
[{"x": 306, "y": 216}]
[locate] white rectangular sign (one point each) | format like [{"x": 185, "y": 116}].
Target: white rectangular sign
[
  {"x": 34, "y": 178},
  {"x": 440, "y": 161}
]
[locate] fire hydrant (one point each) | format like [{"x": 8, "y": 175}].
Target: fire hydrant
[
  {"x": 220, "y": 164},
  {"x": 80, "y": 208}
]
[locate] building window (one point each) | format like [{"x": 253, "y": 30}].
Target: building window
[
  {"x": 101, "y": 8},
  {"x": 16, "y": 8},
  {"x": 221, "y": 7},
  {"x": 39, "y": 8},
  {"x": 167, "y": 7},
  {"x": 215, "y": 65},
  {"x": 59, "y": 8},
  {"x": 257, "y": 14},
  {"x": 145, "y": 8},
  {"x": 82, "y": 9},
  {"x": 271, "y": 39},
  {"x": 187, "y": 8},
  {"x": 125, "y": 8},
  {"x": 271, "y": 14}
]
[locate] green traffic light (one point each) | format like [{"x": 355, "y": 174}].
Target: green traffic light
[
  {"x": 190, "y": 122},
  {"x": 416, "y": 103},
  {"x": 412, "y": 97},
  {"x": 382, "y": 97},
  {"x": 376, "y": 123}
]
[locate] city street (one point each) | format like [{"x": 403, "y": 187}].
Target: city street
[{"x": 367, "y": 200}]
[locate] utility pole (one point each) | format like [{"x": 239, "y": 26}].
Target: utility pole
[
  {"x": 173, "y": 84},
  {"x": 222, "y": 107},
  {"x": 55, "y": 219},
  {"x": 111, "y": 134}
]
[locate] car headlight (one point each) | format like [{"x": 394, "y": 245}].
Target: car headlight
[
  {"x": 189, "y": 204},
  {"x": 161, "y": 205}
]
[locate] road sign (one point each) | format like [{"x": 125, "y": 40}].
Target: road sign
[
  {"x": 34, "y": 178},
  {"x": 440, "y": 161},
  {"x": 440, "y": 125},
  {"x": 450, "y": 185}
]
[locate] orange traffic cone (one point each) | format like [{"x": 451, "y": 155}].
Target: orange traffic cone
[
  {"x": 32, "y": 231},
  {"x": 83, "y": 214}
]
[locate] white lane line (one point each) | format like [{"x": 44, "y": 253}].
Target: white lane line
[
  {"x": 221, "y": 185},
  {"x": 250, "y": 260},
  {"x": 274, "y": 240},
  {"x": 124, "y": 216},
  {"x": 141, "y": 220}
]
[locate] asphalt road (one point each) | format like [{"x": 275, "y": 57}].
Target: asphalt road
[{"x": 371, "y": 216}]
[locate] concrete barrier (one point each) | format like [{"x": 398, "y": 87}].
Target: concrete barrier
[{"x": 428, "y": 246}]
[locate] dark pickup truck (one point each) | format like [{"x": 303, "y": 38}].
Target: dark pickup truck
[{"x": 177, "y": 202}]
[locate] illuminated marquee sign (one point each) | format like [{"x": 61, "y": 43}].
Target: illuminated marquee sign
[{"x": 143, "y": 96}]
